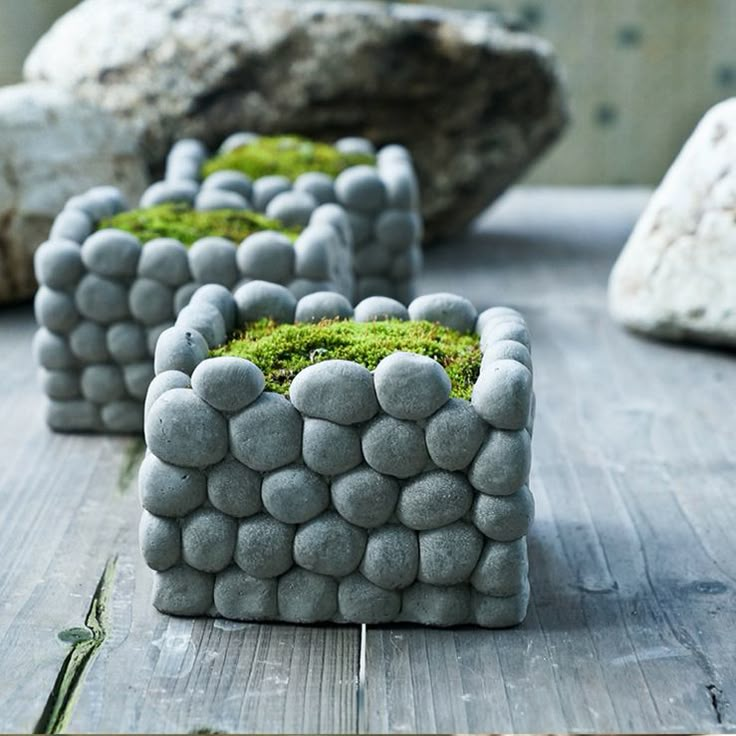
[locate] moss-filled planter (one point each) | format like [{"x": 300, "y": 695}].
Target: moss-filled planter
[
  {"x": 112, "y": 280},
  {"x": 286, "y": 177},
  {"x": 362, "y": 466}
]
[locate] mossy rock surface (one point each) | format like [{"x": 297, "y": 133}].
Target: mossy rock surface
[
  {"x": 287, "y": 156},
  {"x": 282, "y": 351},
  {"x": 188, "y": 225}
]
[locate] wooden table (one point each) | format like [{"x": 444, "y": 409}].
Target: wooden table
[{"x": 633, "y": 555}]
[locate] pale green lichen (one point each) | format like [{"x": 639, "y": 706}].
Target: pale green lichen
[{"x": 282, "y": 351}]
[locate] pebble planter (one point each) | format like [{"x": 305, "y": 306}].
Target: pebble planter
[
  {"x": 104, "y": 298},
  {"x": 382, "y": 202},
  {"x": 364, "y": 496}
]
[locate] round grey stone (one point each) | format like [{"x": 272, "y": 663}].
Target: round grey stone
[
  {"x": 112, "y": 253},
  {"x": 58, "y": 263},
  {"x": 354, "y": 144},
  {"x": 259, "y": 299},
  {"x": 162, "y": 192},
  {"x": 230, "y": 180},
  {"x": 434, "y": 499},
  {"x": 236, "y": 140},
  {"x": 322, "y": 305},
  {"x": 502, "y": 395},
  {"x": 502, "y": 464},
  {"x": 329, "y": 545},
  {"x": 502, "y": 569},
  {"x": 101, "y": 299},
  {"x": 364, "y": 497},
  {"x": 160, "y": 541},
  {"x": 335, "y": 216},
  {"x": 410, "y": 386},
  {"x": 504, "y": 518},
  {"x": 153, "y": 334},
  {"x": 329, "y": 448},
  {"x": 337, "y": 390},
  {"x": 151, "y": 302},
  {"x": 165, "y": 260},
  {"x": 312, "y": 252},
  {"x": 402, "y": 187},
  {"x": 396, "y": 229},
  {"x": 361, "y": 226},
  {"x": 219, "y": 297},
  {"x": 234, "y": 489},
  {"x": 71, "y": 224},
  {"x": 318, "y": 185},
  {"x": 61, "y": 385},
  {"x": 183, "y": 591},
  {"x": 228, "y": 383},
  {"x": 102, "y": 383},
  {"x": 267, "y": 255},
  {"x": 305, "y": 597},
  {"x": 264, "y": 546},
  {"x": 188, "y": 148},
  {"x": 242, "y": 597},
  {"x": 406, "y": 265},
  {"x": 183, "y": 295},
  {"x": 496, "y": 314},
  {"x": 266, "y": 188},
  {"x": 302, "y": 287},
  {"x": 373, "y": 260},
  {"x": 454, "y": 435},
  {"x": 449, "y": 310},
  {"x": 294, "y": 494},
  {"x": 182, "y": 429},
  {"x": 86, "y": 204},
  {"x": 108, "y": 199},
  {"x": 507, "y": 350},
  {"x": 394, "y": 447},
  {"x": 52, "y": 351},
  {"x": 361, "y": 188},
  {"x": 391, "y": 558},
  {"x": 204, "y": 319},
  {"x": 393, "y": 153},
  {"x": 126, "y": 342},
  {"x": 179, "y": 349},
  {"x": 360, "y": 601},
  {"x": 366, "y": 286},
  {"x": 137, "y": 377},
  {"x": 267, "y": 434},
  {"x": 507, "y": 330},
  {"x": 448, "y": 555},
  {"x": 212, "y": 261},
  {"x": 379, "y": 309},
  {"x": 55, "y": 310},
  {"x": 497, "y": 613},
  {"x": 220, "y": 199},
  {"x": 292, "y": 208},
  {"x": 76, "y": 415},
  {"x": 162, "y": 383},
  {"x": 123, "y": 416},
  {"x": 208, "y": 540},
  {"x": 88, "y": 341},
  {"x": 436, "y": 605},
  {"x": 169, "y": 490}
]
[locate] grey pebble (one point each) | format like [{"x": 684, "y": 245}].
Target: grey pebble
[
  {"x": 435, "y": 605},
  {"x": 221, "y": 298},
  {"x": 88, "y": 341},
  {"x": 112, "y": 253},
  {"x": 234, "y": 489},
  {"x": 335, "y": 216},
  {"x": 242, "y": 597},
  {"x": 259, "y": 299},
  {"x": 374, "y": 286},
  {"x": 380, "y": 308},
  {"x": 151, "y": 302},
  {"x": 189, "y": 148},
  {"x": 337, "y": 390},
  {"x": 76, "y": 415},
  {"x": 266, "y": 188},
  {"x": 454, "y": 435},
  {"x": 434, "y": 499},
  {"x": 312, "y": 252},
  {"x": 318, "y": 185},
  {"x": 162, "y": 383},
  {"x": 502, "y": 464},
  {"x": 184, "y": 294},
  {"x": 126, "y": 342},
  {"x": 360, "y": 601},
  {"x": 165, "y": 260},
  {"x": 183, "y": 591},
  {"x": 306, "y": 597},
  {"x": 179, "y": 349},
  {"x": 212, "y": 261},
  {"x": 60, "y": 385},
  {"x": 302, "y": 287},
  {"x": 396, "y": 229},
  {"x": 506, "y": 350},
  {"x": 160, "y": 541},
  {"x": 373, "y": 260},
  {"x": 162, "y": 192},
  {"x": 355, "y": 144},
  {"x": 102, "y": 383},
  {"x": 264, "y": 546},
  {"x": 138, "y": 377},
  {"x": 448, "y": 555},
  {"x": 402, "y": 187},
  {"x": 58, "y": 263},
  {"x": 449, "y": 310},
  {"x": 511, "y": 330},
  {"x": 495, "y": 314},
  {"x": 230, "y": 180},
  {"x": 52, "y": 351},
  {"x": 72, "y": 224},
  {"x": 292, "y": 208},
  {"x": 169, "y": 490},
  {"x": 394, "y": 447},
  {"x": 294, "y": 494},
  {"x": 502, "y": 394},
  {"x": 361, "y": 188},
  {"x": 55, "y": 310},
  {"x": 407, "y": 265},
  {"x": 183, "y": 430},
  {"x": 329, "y": 545},
  {"x": 502, "y": 569},
  {"x": 364, "y": 497},
  {"x": 204, "y": 319},
  {"x": 102, "y": 300},
  {"x": 393, "y": 153},
  {"x": 236, "y": 140},
  {"x": 220, "y": 199},
  {"x": 267, "y": 434},
  {"x": 267, "y": 255},
  {"x": 123, "y": 416},
  {"x": 183, "y": 167},
  {"x": 361, "y": 226},
  {"x": 329, "y": 448},
  {"x": 228, "y": 383},
  {"x": 391, "y": 558},
  {"x": 322, "y": 305},
  {"x": 497, "y": 613},
  {"x": 208, "y": 540}
]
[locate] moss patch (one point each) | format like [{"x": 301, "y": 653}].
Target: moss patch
[
  {"x": 287, "y": 155},
  {"x": 281, "y": 351},
  {"x": 188, "y": 225}
]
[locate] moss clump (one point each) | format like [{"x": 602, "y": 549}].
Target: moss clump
[
  {"x": 287, "y": 155},
  {"x": 187, "y": 225},
  {"x": 281, "y": 351}
]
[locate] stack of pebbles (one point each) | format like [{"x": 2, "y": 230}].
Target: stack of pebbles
[
  {"x": 363, "y": 494},
  {"x": 106, "y": 295},
  {"x": 378, "y": 190}
]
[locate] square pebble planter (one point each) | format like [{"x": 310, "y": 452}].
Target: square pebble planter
[
  {"x": 378, "y": 190},
  {"x": 106, "y": 295},
  {"x": 365, "y": 496}
]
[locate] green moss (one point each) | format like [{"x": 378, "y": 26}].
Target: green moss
[
  {"x": 187, "y": 225},
  {"x": 281, "y": 351},
  {"x": 287, "y": 155}
]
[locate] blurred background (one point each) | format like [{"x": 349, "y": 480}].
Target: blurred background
[{"x": 659, "y": 64}]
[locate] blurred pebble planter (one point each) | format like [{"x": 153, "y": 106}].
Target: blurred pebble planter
[
  {"x": 105, "y": 295},
  {"x": 380, "y": 194},
  {"x": 361, "y": 496}
]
